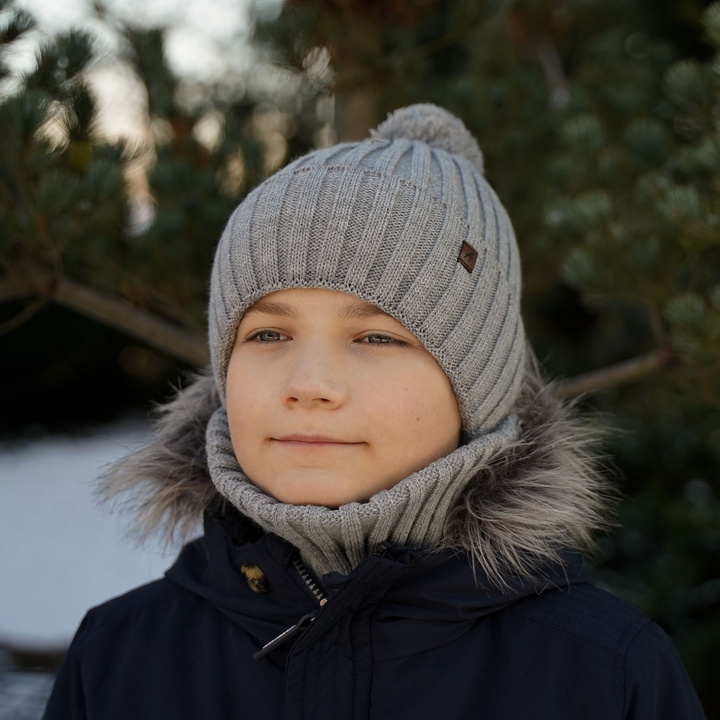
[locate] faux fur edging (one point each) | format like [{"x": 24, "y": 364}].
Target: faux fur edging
[
  {"x": 165, "y": 486},
  {"x": 531, "y": 501},
  {"x": 543, "y": 494}
]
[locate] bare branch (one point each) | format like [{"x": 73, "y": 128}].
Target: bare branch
[
  {"x": 167, "y": 337},
  {"x": 15, "y": 288},
  {"x": 614, "y": 375},
  {"x": 32, "y": 308},
  {"x": 155, "y": 331}
]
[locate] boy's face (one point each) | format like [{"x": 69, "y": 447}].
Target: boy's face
[{"x": 330, "y": 400}]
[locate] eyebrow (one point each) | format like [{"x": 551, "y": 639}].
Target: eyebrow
[
  {"x": 349, "y": 310},
  {"x": 268, "y": 307},
  {"x": 359, "y": 310}
]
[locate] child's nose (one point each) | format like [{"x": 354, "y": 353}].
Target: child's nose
[{"x": 315, "y": 378}]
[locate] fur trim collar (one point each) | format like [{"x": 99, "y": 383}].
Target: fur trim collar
[{"x": 527, "y": 504}]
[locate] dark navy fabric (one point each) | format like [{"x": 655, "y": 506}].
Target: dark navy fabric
[{"x": 409, "y": 634}]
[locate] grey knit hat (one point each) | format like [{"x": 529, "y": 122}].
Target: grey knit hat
[{"x": 405, "y": 221}]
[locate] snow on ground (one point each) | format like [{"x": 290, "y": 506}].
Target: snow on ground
[
  {"x": 23, "y": 695},
  {"x": 60, "y": 553}
]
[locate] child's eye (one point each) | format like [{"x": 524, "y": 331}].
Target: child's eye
[
  {"x": 266, "y": 336},
  {"x": 378, "y": 339}
]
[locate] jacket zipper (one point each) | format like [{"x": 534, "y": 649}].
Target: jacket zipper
[
  {"x": 304, "y": 621},
  {"x": 307, "y": 579}
]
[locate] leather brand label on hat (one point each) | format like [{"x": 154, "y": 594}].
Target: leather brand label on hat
[{"x": 468, "y": 256}]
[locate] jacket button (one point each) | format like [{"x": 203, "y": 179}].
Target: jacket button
[{"x": 255, "y": 578}]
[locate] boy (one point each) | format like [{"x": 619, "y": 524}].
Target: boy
[{"x": 393, "y": 500}]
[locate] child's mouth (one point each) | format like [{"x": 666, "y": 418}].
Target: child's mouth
[{"x": 300, "y": 440}]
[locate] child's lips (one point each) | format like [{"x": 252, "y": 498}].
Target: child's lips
[{"x": 300, "y": 440}]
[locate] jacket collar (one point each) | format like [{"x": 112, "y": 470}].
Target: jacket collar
[{"x": 429, "y": 597}]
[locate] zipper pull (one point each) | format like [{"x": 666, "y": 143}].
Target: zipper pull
[{"x": 300, "y": 625}]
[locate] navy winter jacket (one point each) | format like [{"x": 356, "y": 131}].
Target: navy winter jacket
[{"x": 408, "y": 634}]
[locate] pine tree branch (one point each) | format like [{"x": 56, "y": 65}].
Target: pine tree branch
[
  {"x": 155, "y": 331},
  {"x": 621, "y": 374}
]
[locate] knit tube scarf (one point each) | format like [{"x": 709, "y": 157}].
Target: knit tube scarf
[{"x": 412, "y": 512}]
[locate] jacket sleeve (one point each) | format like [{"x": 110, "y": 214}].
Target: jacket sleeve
[
  {"x": 67, "y": 700},
  {"x": 657, "y": 686}
]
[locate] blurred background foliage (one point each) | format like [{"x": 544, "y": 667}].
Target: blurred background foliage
[{"x": 600, "y": 126}]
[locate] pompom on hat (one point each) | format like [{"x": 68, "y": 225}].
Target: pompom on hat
[
  {"x": 433, "y": 126},
  {"x": 406, "y": 221}
]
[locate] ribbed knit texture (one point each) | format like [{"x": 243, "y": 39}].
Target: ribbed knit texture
[
  {"x": 385, "y": 220},
  {"x": 412, "y": 512}
]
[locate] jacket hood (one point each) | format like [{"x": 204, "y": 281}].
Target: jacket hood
[{"x": 529, "y": 502}]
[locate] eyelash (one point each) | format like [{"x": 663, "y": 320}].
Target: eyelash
[
  {"x": 255, "y": 337},
  {"x": 385, "y": 339}
]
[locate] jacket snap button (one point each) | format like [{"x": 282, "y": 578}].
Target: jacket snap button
[{"x": 255, "y": 578}]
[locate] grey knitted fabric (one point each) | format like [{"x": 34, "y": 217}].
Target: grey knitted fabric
[
  {"x": 405, "y": 221},
  {"x": 412, "y": 512}
]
